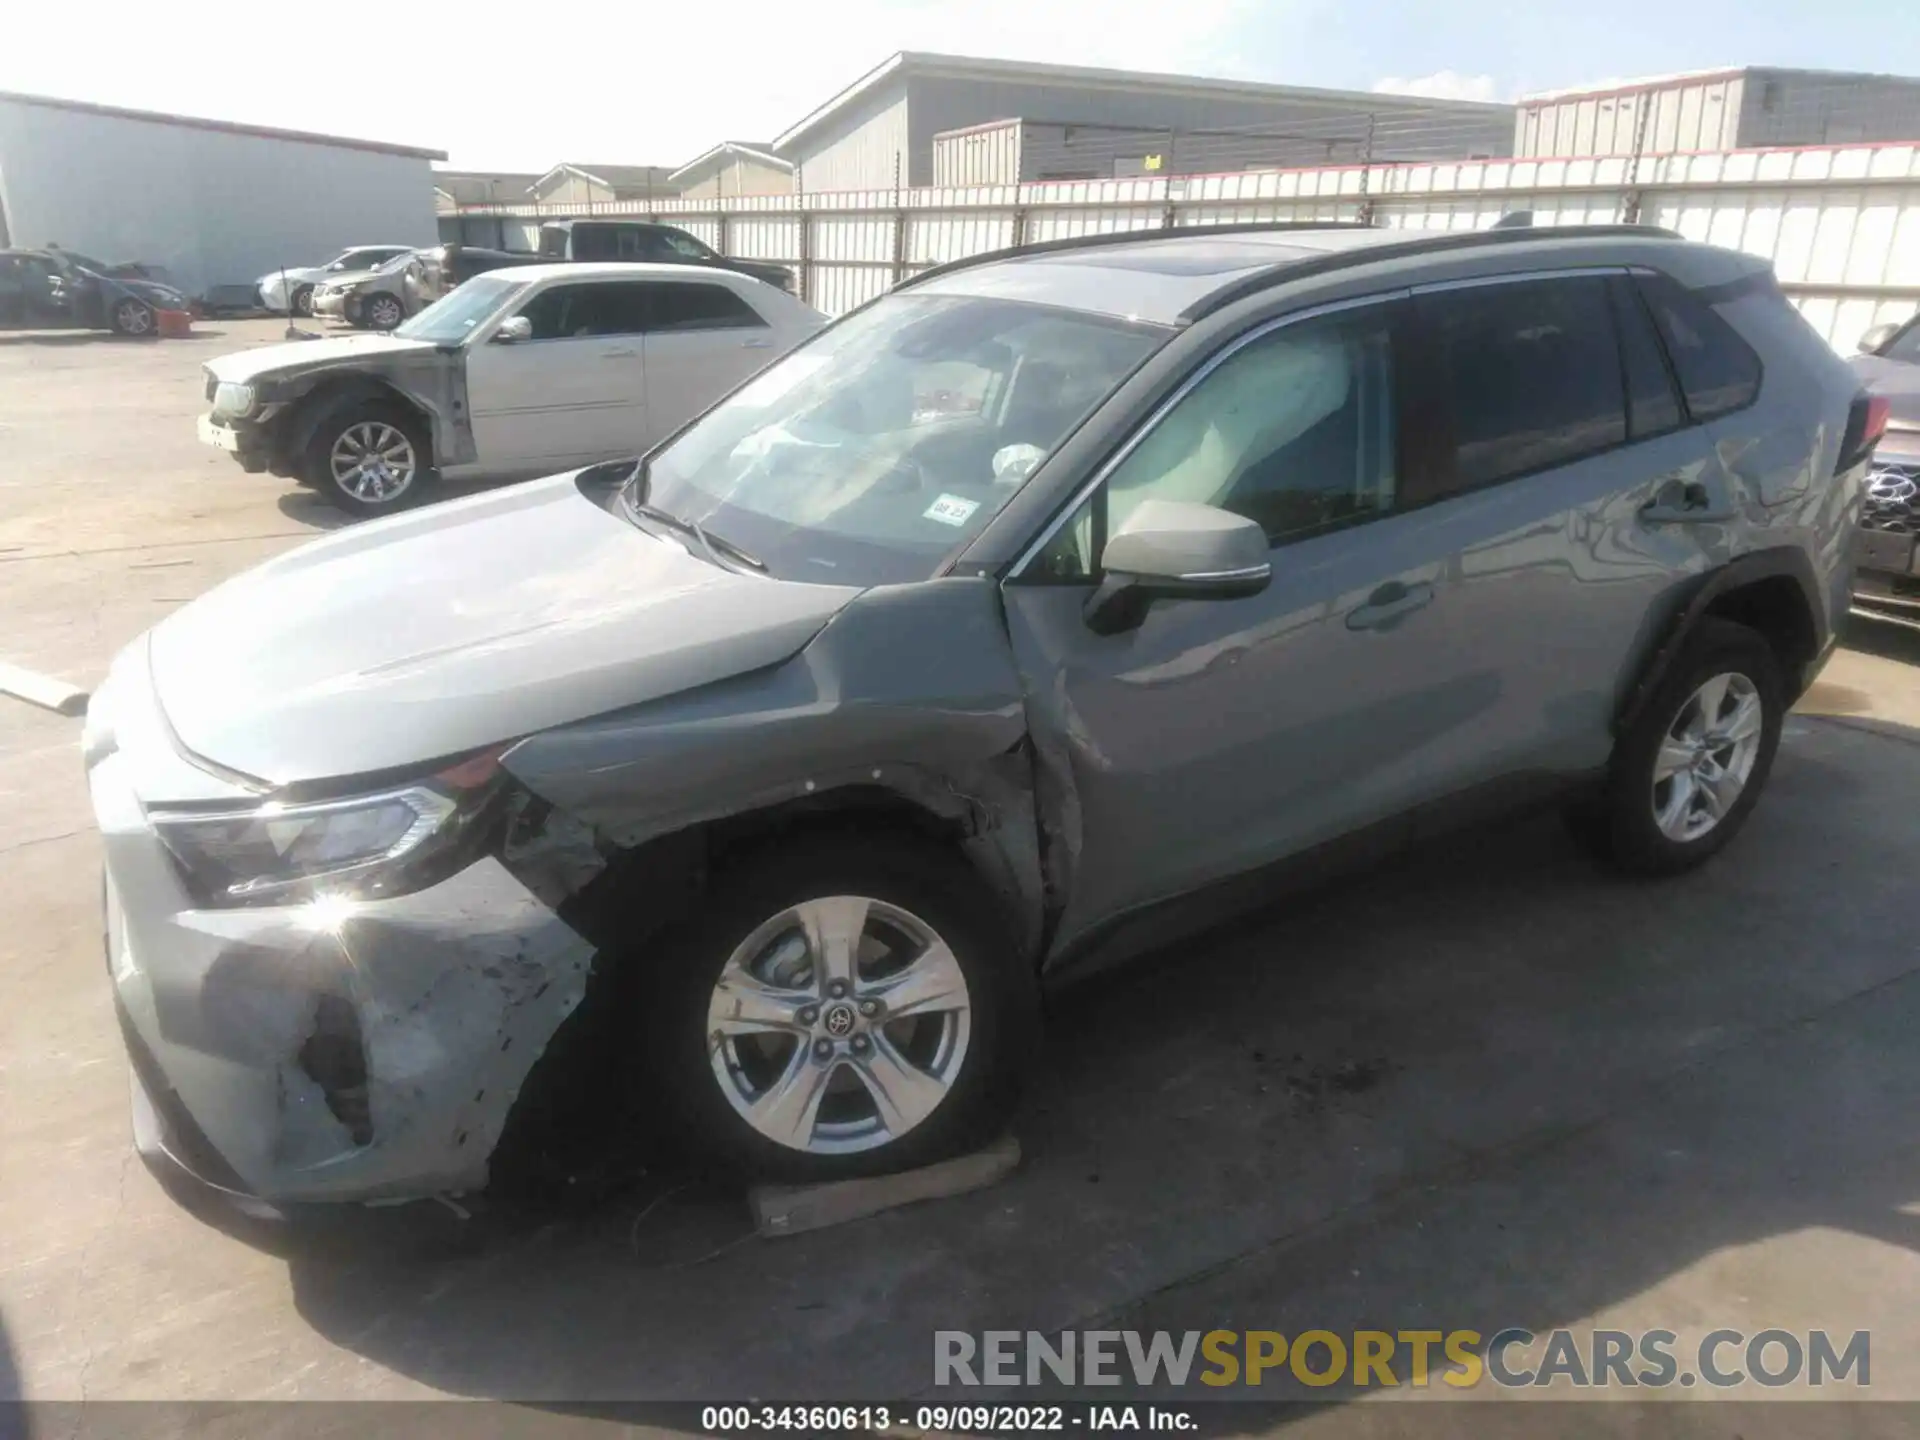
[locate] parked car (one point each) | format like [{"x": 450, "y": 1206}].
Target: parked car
[
  {"x": 450, "y": 266},
  {"x": 1885, "y": 551},
  {"x": 517, "y": 373},
  {"x": 377, "y": 299},
  {"x": 649, "y": 241},
  {"x": 291, "y": 291},
  {"x": 801, "y": 752},
  {"x": 47, "y": 289}
]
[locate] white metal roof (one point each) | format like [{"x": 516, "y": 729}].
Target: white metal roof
[
  {"x": 227, "y": 127},
  {"x": 759, "y": 154},
  {"x": 914, "y": 62}
]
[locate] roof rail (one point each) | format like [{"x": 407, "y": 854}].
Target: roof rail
[
  {"x": 1424, "y": 243},
  {"x": 1122, "y": 237}
]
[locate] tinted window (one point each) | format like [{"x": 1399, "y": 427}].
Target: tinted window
[
  {"x": 600, "y": 242},
  {"x": 674, "y": 246},
  {"x": 700, "y": 307},
  {"x": 1653, "y": 406},
  {"x": 1529, "y": 374},
  {"x": 1296, "y": 431},
  {"x": 579, "y": 312},
  {"x": 553, "y": 244},
  {"x": 1718, "y": 370}
]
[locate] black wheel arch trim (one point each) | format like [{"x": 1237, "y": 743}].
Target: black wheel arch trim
[{"x": 1769, "y": 564}]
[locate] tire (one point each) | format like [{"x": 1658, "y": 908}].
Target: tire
[
  {"x": 134, "y": 319},
  {"x": 381, "y": 311},
  {"x": 303, "y": 300},
  {"x": 967, "y": 1062},
  {"x": 348, "y": 437},
  {"x": 1645, "y": 824}
]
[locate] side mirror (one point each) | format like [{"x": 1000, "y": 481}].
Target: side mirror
[
  {"x": 1875, "y": 339},
  {"x": 1174, "y": 550},
  {"x": 513, "y": 330}
]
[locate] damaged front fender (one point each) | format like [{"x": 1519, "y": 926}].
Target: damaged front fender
[{"x": 909, "y": 692}]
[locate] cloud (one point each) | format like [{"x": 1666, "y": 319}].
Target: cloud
[{"x": 1441, "y": 85}]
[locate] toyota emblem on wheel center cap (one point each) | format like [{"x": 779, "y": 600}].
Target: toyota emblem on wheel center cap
[{"x": 839, "y": 1020}]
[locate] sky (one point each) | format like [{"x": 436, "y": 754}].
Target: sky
[{"x": 612, "y": 81}]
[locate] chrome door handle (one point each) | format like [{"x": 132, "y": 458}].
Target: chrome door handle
[
  {"x": 1389, "y": 604},
  {"x": 756, "y": 344}
]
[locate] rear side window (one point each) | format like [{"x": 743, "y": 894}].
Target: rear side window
[
  {"x": 553, "y": 244},
  {"x": 701, "y": 307},
  {"x": 1653, "y": 405},
  {"x": 1528, "y": 373},
  {"x": 1718, "y": 370},
  {"x": 597, "y": 242}
]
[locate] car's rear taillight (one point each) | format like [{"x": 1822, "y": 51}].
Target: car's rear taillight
[{"x": 1866, "y": 423}]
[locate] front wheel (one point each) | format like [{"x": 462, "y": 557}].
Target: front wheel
[
  {"x": 369, "y": 459},
  {"x": 843, "y": 1009},
  {"x": 1689, "y": 772},
  {"x": 303, "y": 300},
  {"x": 134, "y": 318},
  {"x": 382, "y": 312}
]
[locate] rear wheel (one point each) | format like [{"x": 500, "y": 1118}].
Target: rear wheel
[
  {"x": 134, "y": 318},
  {"x": 846, "y": 1009},
  {"x": 1686, "y": 776},
  {"x": 369, "y": 458}
]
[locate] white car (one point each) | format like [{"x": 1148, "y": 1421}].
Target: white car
[
  {"x": 514, "y": 374},
  {"x": 299, "y": 280}
]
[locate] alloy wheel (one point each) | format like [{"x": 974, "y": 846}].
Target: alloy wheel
[
  {"x": 838, "y": 1025},
  {"x": 383, "y": 312},
  {"x": 133, "y": 318},
  {"x": 1706, "y": 755},
  {"x": 373, "y": 461}
]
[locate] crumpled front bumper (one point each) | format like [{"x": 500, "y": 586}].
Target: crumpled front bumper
[
  {"x": 318, "y": 1052},
  {"x": 333, "y": 306}
]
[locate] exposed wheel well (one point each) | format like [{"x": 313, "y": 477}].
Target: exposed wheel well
[
  {"x": 314, "y": 406},
  {"x": 564, "y": 1133},
  {"x": 1776, "y": 607}
]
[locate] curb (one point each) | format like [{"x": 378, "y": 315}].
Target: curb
[{"x": 42, "y": 690}]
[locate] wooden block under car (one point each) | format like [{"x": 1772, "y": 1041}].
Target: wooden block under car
[{"x": 792, "y": 1209}]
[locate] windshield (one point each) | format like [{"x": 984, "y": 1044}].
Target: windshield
[
  {"x": 892, "y": 439},
  {"x": 449, "y": 319}
]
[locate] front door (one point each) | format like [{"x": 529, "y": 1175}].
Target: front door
[
  {"x": 1221, "y": 735},
  {"x": 703, "y": 339},
  {"x": 574, "y": 393}
]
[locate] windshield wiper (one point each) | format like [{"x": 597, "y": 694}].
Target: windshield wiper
[{"x": 714, "y": 545}]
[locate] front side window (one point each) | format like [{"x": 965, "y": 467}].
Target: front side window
[
  {"x": 1297, "y": 430},
  {"x": 1905, "y": 345},
  {"x": 582, "y": 312},
  {"x": 1528, "y": 373},
  {"x": 678, "y": 245},
  {"x": 701, "y": 307},
  {"x": 1718, "y": 370},
  {"x": 888, "y": 442}
]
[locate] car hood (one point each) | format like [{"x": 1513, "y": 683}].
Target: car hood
[
  {"x": 346, "y": 279},
  {"x": 455, "y": 627},
  {"x": 243, "y": 366}
]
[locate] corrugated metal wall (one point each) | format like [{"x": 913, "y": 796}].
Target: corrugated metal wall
[
  {"x": 1702, "y": 114},
  {"x": 979, "y": 155},
  {"x": 212, "y": 207},
  {"x": 1841, "y": 225},
  {"x": 865, "y": 149}
]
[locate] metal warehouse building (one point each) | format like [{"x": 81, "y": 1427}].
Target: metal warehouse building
[
  {"x": 1719, "y": 110},
  {"x": 879, "y": 133},
  {"x": 213, "y": 204}
]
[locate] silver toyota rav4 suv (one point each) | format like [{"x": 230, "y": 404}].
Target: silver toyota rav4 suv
[{"x": 1056, "y": 601}]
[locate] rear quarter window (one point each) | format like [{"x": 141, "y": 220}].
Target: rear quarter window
[{"x": 1718, "y": 371}]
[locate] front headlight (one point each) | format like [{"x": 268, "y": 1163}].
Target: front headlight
[
  {"x": 372, "y": 845},
  {"x": 232, "y": 399}
]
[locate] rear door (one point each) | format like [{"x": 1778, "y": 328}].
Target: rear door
[
  {"x": 572, "y": 394},
  {"x": 703, "y": 338},
  {"x": 1561, "y": 440},
  {"x": 13, "y": 293}
]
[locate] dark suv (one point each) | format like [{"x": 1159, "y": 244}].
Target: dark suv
[
  {"x": 649, "y": 241},
  {"x": 1053, "y": 603}
]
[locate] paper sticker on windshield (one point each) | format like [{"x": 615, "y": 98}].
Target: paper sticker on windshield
[{"x": 951, "y": 510}]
